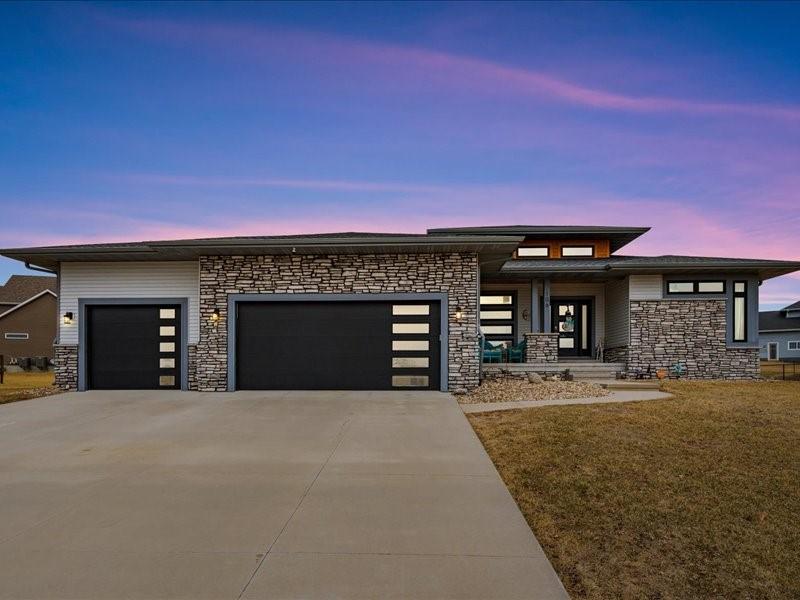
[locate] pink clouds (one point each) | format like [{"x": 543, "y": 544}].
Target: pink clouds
[{"x": 388, "y": 65}]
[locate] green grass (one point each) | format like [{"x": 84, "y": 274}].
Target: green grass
[
  {"x": 24, "y": 386},
  {"x": 695, "y": 497}
]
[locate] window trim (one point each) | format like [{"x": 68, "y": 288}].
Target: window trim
[
  {"x": 545, "y": 248},
  {"x": 510, "y": 338},
  {"x": 16, "y": 336},
  {"x": 590, "y": 246},
  {"x": 789, "y": 345},
  {"x": 742, "y": 295},
  {"x": 695, "y": 287}
]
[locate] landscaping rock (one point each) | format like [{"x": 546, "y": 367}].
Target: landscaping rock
[
  {"x": 534, "y": 378},
  {"x": 516, "y": 390}
]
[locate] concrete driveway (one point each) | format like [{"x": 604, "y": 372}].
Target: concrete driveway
[{"x": 257, "y": 495}]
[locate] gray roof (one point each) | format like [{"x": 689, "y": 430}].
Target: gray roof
[
  {"x": 323, "y": 243},
  {"x": 795, "y": 306},
  {"x": 618, "y": 236},
  {"x": 651, "y": 264},
  {"x": 776, "y": 320},
  {"x": 19, "y": 288}
]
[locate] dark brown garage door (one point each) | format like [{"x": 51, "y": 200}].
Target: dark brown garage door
[
  {"x": 133, "y": 347},
  {"x": 337, "y": 345}
]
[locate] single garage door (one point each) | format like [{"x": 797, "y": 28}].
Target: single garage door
[
  {"x": 133, "y": 347},
  {"x": 359, "y": 345}
]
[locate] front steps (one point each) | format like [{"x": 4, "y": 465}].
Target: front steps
[{"x": 580, "y": 369}]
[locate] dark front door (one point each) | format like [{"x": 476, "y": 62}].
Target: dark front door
[
  {"x": 572, "y": 320},
  {"x": 133, "y": 347},
  {"x": 337, "y": 345}
]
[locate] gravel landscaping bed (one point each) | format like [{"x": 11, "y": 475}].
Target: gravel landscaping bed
[{"x": 519, "y": 390}]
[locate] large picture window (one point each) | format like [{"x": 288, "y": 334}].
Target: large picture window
[{"x": 740, "y": 311}]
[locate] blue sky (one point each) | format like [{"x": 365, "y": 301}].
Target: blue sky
[{"x": 151, "y": 121}]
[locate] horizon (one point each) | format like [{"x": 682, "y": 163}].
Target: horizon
[{"x": 146, "y": 121}]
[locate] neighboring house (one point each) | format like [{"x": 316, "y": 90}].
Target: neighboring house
[
  {"x": 779, "y": 333},
  {"x": 28, "y": 314},
  {"x": 393, "y": 311}
]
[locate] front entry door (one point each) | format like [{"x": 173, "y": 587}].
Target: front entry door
[{"x": 572, "y": 320}]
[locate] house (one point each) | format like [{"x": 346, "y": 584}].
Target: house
[
  {"x": 393, "y": 311},
  {"x": 779, "y": 333},
  {"x": 28, "y": 314}
]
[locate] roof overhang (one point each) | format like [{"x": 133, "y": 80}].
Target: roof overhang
[
  {"x": 176, "y": 250},
  {"x": 617, "y": 236},
  {"x": 616, "y": 266}
]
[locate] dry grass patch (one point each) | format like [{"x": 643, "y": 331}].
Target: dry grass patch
[
  {"x": 695, "y": 497},
  {"x": 518, "y": 390},
  {"x": 24, "y": 386}
]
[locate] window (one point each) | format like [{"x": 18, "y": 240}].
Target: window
[
  {"x": 569, "y": 251},
  {"x": 498, "y": 312},
  {"x": 740, "y": 311},
  {"x": 17, "y": 336},
  {"x": 696, "y": 287},
  {"x": 410, "y": 328},
  {"x": 411, "y": 309},
  {"x": 533, "y": 252},
  {"x": 794, "y": 345}
]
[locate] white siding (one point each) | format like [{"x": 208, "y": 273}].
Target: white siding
[
  {"x": 617, "y": 314},
  {"x": 128, "y": 280},
  {"x": 646, "y": 287}
]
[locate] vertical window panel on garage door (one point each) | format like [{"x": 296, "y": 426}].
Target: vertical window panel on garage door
[
  {"x": 336, "y": 345},
  {"x": 133, "y": 347}
]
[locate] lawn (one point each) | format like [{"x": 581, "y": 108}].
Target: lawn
[
  {"x": 695, "y": 497},
  {"x": 24, "y": 386}
]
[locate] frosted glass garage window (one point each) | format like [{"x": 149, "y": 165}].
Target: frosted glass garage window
[
  {"x": 411, "y": 309},
  {"x": 409, "y": 381},
  {"x": 410, "y": 345},
  {"x": 166, "y": 313},
  {"x": 410, "y": 362},
  {"x": 410, "y": 328},
  {"x": 167, "y": 331}
]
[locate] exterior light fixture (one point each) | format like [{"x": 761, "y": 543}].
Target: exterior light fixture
[
  {"x": 525, "y": 314},
  {"x": 215, "y": 316},
  {"x": 68, "y": 318},
  {"x": 459, "y": 313}
]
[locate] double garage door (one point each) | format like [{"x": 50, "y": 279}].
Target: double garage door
[
  {"x": 302, "y": 345},
  {"x": 330, "y": 345}
]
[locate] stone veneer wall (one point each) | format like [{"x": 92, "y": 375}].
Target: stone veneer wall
[
  {"x": 66, "y": 367},
  {"x": 453, "y": 273},
  {"x": 541, "y": 347},
  {"x": 664, "y": 332},
  {"x": 191, "y": 366}
]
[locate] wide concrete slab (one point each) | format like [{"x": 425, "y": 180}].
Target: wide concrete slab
[{"x": 257, "y": 495}]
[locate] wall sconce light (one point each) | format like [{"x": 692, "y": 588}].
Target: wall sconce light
[
  {"x": 459, "y": 313},
  {"x": 215, "y": 316},
  {"x": 525, "y": 314},
  {"x": 68, "y": 318}
]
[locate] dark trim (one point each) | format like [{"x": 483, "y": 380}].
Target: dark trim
[
  {"x": 83, "y": 303},
  {"x": 592, "y": 315},
  {"x": 500, "y": 322},
  {"x": 441, "y": 297},
  {"x": 742, "y": 295},
  {"x": 591, "y": 246}
]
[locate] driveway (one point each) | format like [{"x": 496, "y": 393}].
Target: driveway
[{"x": 257, "y": 495}]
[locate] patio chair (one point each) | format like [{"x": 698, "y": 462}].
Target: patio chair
[
  {"x": 517, "y": 353},
  {"x": 492, "y": 354}
]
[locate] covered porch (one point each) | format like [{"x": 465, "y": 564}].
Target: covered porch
[{"x": 552, "y": 323}]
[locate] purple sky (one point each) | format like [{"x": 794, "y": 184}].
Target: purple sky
[{"x": 151, "y": 121}]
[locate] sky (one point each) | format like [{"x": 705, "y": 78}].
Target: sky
[{"x": 139, "y": 121}]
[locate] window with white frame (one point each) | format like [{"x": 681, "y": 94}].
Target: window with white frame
[
  {"x": 794, "y": 345},
  {"x": 17, "y": 336}
]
